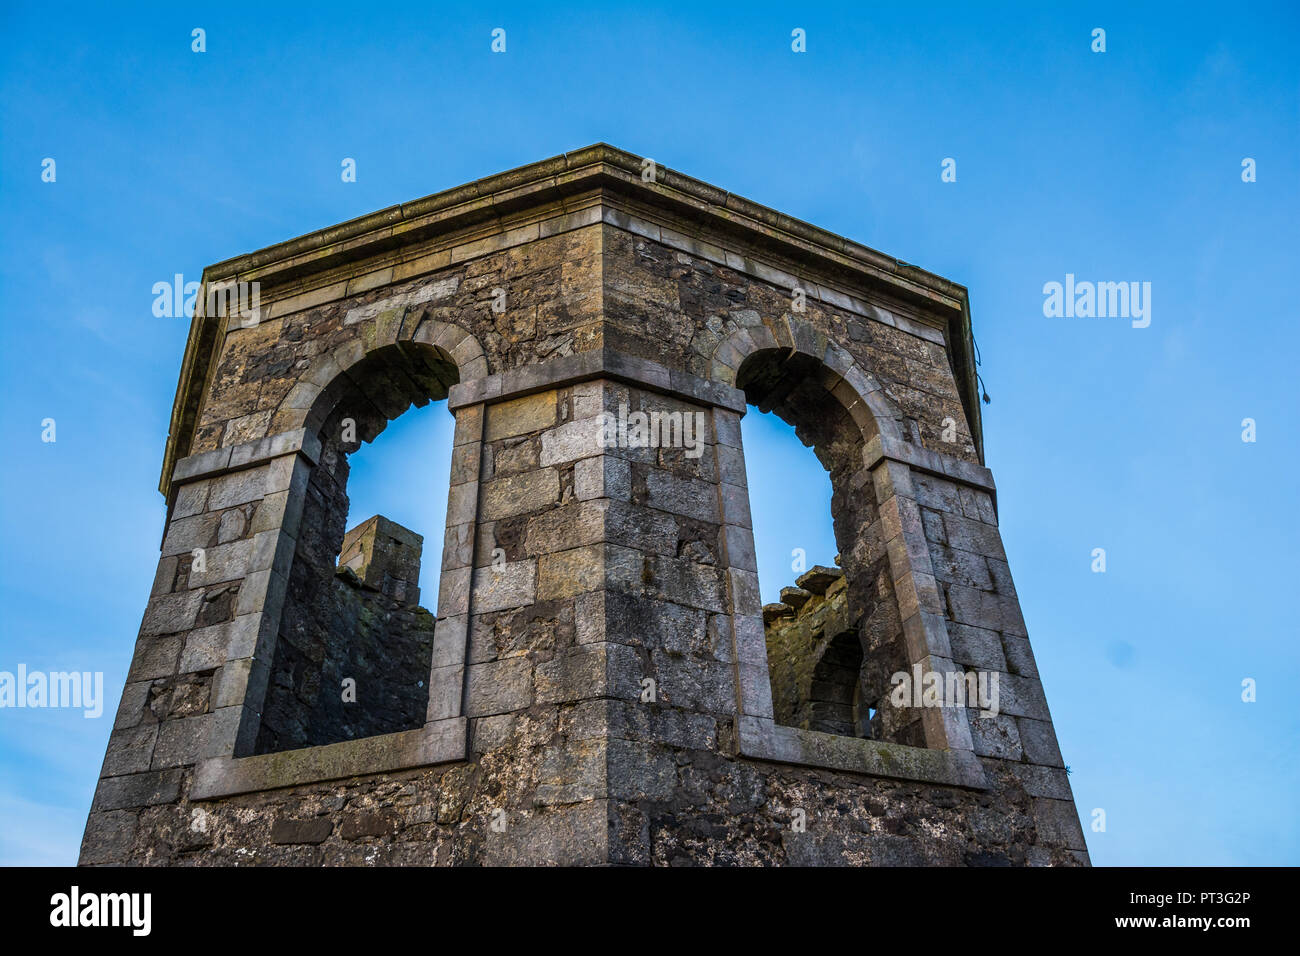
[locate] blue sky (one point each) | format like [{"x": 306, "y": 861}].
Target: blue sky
[{"x": 1115, "y": 166}]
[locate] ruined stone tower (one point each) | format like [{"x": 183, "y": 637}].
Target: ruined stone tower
[{"x": 598, "y": 681}]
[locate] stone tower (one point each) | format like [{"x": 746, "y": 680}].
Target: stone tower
[{"x": 598, "y": 682}]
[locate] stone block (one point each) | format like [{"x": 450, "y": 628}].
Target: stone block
[
  {"x": 977, "y": 647},
  {"x": 1039, "y": 742},
  {"x": 512, "y": 584},
  {"x": 131, "y": 708},
  {"x": 181, "y": 742},
  {"x": 568, "y": 573},
  {"x": 1021, "y": 697},
  {"x": 138, "y": 790},
  {"x": 953, "y": 566},
  {"x": 735, "y": 505},
  {"x": 577, "y": 674},
  {"x": 994, "y": 736},
  {"x": 572, "y": 772},
  {"x": 498, "y": 687},
  {"x": 130, "y": 750},
  {"x": 740, "y": 547},
  {"x": 155, "y": 657},
  {"x": 1057, "y": 824},
  {"x": 462, "y": 503},
  {"x": 1040, "y": 781},
  {"x": 818, "y": 578},
  {"x": 170, "y": 613},
  {"x": 191, "y": 499},
  {"x": 205, "y": 648},
  {"x": 574, "y": 440},
  {"x": 565, "y": 527},
  {"x": 1019, "y": 655},
  {"x": 186, "y": 534},
  {"x": 288, "y": 831},
  {"x": 681, "y": 496},
  {"x": 795, "y": 597},
  {"x": 109, "y": 838},
  {"x": 641, "y": 770},
  {"x": 520, "y": 416},
  {"x": 986, "y": 610},
  {"x": 569, "y": 835},
  {"x": 519, "y": 494},
  {"x": 973, "y": 536},
  {"x": 641, "y": 527},
  {"x": 239, "y": 487},
  {"x": 225, "y": 562},
  {"x": 360, "y": 826}
]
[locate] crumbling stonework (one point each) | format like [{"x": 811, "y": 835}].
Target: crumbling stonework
[
  {"x": 383, "y": 556},
  {"x": 600, "y": 686},
  {"x": 815, "y": 659}
]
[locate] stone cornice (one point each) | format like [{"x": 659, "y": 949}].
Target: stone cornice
[{"x": 559, "y": 178}]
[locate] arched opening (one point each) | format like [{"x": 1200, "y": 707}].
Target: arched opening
[
  {"x": 353, "y": 652},
  {"x": 835, "y": 704},
  {"x": 834, "y": 636}
]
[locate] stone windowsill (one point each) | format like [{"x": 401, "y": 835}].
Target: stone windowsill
[
  {"x": 762, "y": 739},
  {"x": 441, "y": 741}
]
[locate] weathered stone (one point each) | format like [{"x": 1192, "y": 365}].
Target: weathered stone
[
  {"x": 312, "y": 831},
  {"x": 818, "y": 578},
  {"x": 565, "y": 574},
  {"x": 575, "y": 675},
  {"x": 137, "y": 790},
  {"x": 681, "y": 496},
  {"x": 357, "y": 826},
  {"x": 772, "y": 612},
  {"x": 520, "y": 494},
  {"x": 170, "y": 613},
  {"x": 995, "y": 736},
  {"x": 520, "y": 416},
  {"x": 130, "y": 750},
  {"x": 109, "y": 837},
  {"x": 574, "y": 440},
  {"x": 601, "y": 683},
  {"x": 1039, "y": 742},
  {"x": 498, "y": 687},
  {"x": 507, "y": 585},
  {"x": 795, "y": 597}
]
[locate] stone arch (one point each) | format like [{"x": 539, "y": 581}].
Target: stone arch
[
  {"x": 414, "y": 335},
  {"x": 835, "y": 702},
  {"x": 837, "y": 409},
  {"x": 379, "y": 385},
  {"x": 841, "y": 376}
]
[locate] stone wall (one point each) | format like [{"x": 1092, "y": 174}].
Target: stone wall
[
  {"x": 353, "y": 652},
  {"x": 600, "y": 687}
]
